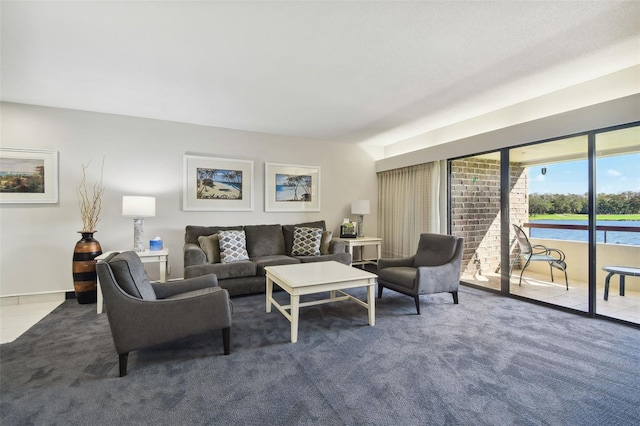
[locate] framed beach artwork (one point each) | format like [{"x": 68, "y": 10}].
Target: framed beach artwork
[
  {"x": 217, "y": 184},
  {"x": 28, "y": 176},
  {"x": 291, "y": 188}
]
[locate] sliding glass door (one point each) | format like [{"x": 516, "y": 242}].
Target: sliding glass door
[
  {"x": 475, "y": 216},
  {"x": 549, "y": 209},
  {"x": 575, "y": 200},
  {"x": 618, "y": 220}
]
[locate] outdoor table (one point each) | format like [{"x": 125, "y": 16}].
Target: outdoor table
[{"x": 622, "y": 271}]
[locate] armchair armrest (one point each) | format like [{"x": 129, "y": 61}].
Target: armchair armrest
[
  {"x": 171, "y": 288},
  {"x": 441, "y": 278},
  {"x": 549, "y": 251},
  {"x": 390, "y": 263},
  {"x": 193, "y": 255}
]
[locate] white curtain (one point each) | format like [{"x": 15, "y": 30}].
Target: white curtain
[{"x": 408, "y": 205}]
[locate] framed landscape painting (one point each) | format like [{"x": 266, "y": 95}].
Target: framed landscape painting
[
  {"x": 291, "y": 188},
  {"x": 28, "y": 176},
  {"x": 217, "y": 184}
]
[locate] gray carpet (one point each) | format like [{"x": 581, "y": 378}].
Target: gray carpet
[{"x": 487, "y": 361}]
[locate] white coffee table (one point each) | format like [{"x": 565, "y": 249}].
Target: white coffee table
[{"x": 316, "y": 277}]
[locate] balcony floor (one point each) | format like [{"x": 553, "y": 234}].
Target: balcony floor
[{"x": 539, "y": 287}]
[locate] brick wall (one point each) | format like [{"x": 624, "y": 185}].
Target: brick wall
[{"x": 475, "y": 210}]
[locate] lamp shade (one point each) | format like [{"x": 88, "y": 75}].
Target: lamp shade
[
  {"x": 360, "y": 207},
  {"x": 135, "y": 206}
]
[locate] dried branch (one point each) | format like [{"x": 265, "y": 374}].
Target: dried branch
[{"x": 90, "y": 204}]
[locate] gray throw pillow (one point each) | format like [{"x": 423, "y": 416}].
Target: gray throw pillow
[
  {"x": 210, "y": 245},
  {"x": 325, "y": 241}
]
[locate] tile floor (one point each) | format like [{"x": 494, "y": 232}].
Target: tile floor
[{"x": 20, "y": 313}]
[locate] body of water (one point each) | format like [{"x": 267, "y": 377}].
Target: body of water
[{"x": 613, "y": 237}]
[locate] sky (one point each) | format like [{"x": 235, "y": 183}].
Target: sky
[
  {"x": 614, "y": 175},
  {"x": 19, "y": 164}
]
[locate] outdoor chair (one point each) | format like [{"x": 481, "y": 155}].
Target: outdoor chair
[
  {"x": 435, "y": 268},
  {"x": 538, "y": 253},
  {"x": 143, "y": 314}
]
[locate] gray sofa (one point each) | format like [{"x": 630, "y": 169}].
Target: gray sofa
[{"x": 267, "y": 245}]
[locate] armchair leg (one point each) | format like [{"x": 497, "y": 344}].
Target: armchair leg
[
  {"x": 122, "y": 358},
  {"x": 417, "y": 299},
  {"x": 226, "y": 340},
  {"x": 380, "y": 287},
  {"x": 455, "y": 297}
]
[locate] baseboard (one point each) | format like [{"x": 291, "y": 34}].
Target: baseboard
[{"x": 32, "y": 298}]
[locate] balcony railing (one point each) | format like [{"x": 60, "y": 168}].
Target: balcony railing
[
  {"x": 577, "y": 251},
  {"x": 604, "y": 228}
]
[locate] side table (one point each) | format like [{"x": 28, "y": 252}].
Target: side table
[
  {"x": 161, "y": 257},
  {"x": 361, "y": 242}
]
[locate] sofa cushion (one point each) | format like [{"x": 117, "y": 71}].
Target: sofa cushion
[
  {"x": 223, "y": 271},
  {"x": 211, "y": 247},
  {"x": 306, "y": 241},
  {"x": 264, "y": 240},
  {"x": 402, "y": 275},
  {"x": 232, "y": 246},
  {"x": 337, "y": 257},
  {"x": 130, "y": 275},
  {"x": 275, "y": 260},
  {"x": 288, "y": 230},
  {"x": 325, "y": 242}
]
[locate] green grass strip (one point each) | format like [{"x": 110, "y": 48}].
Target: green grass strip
[{"x": 584, "y": 217}]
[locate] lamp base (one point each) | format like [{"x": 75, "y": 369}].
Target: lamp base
[
  {"x": 360, "y": 225},
  {"x": 138, "y": 235}
]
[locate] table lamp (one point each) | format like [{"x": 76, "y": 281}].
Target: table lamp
[
  {"x": 360, "y": 208},
  {"x": 138, "y": 208}
]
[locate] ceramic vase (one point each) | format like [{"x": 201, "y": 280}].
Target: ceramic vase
[{"x": 84, "y": 268}]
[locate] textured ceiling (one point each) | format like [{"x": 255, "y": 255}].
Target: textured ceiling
[{"x": 356, "y": 72}]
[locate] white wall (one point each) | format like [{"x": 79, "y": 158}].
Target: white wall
[
  {"x": 608, "y": 101},
  {"x": 144, "y": 157}
]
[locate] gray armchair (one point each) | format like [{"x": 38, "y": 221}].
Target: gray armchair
[
  {"x": 435, "y": 268},
  {"x": 142, "y": 314}
]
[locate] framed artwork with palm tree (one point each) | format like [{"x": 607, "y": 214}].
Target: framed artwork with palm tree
[
  {"x": 217, "y": 184},
  {"x": 291, "y": 188}
]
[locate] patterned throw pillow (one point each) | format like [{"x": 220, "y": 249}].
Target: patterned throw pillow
[
  {"x": 233, "y": 246},
  {"x": 306, "y": 241}
]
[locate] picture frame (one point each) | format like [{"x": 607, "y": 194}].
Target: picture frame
[
  {"x": 28, "y": 176},
  {"x": 349, "y": 230},
  {"x": 217, "y": 184},
  {"x": 291, "y": 188}
]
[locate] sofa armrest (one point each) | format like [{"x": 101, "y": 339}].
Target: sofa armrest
[
  {"x": 193, "y": 255},
  {"x": 390, "y": 263},
  {"x": 336, "y": 246}
]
